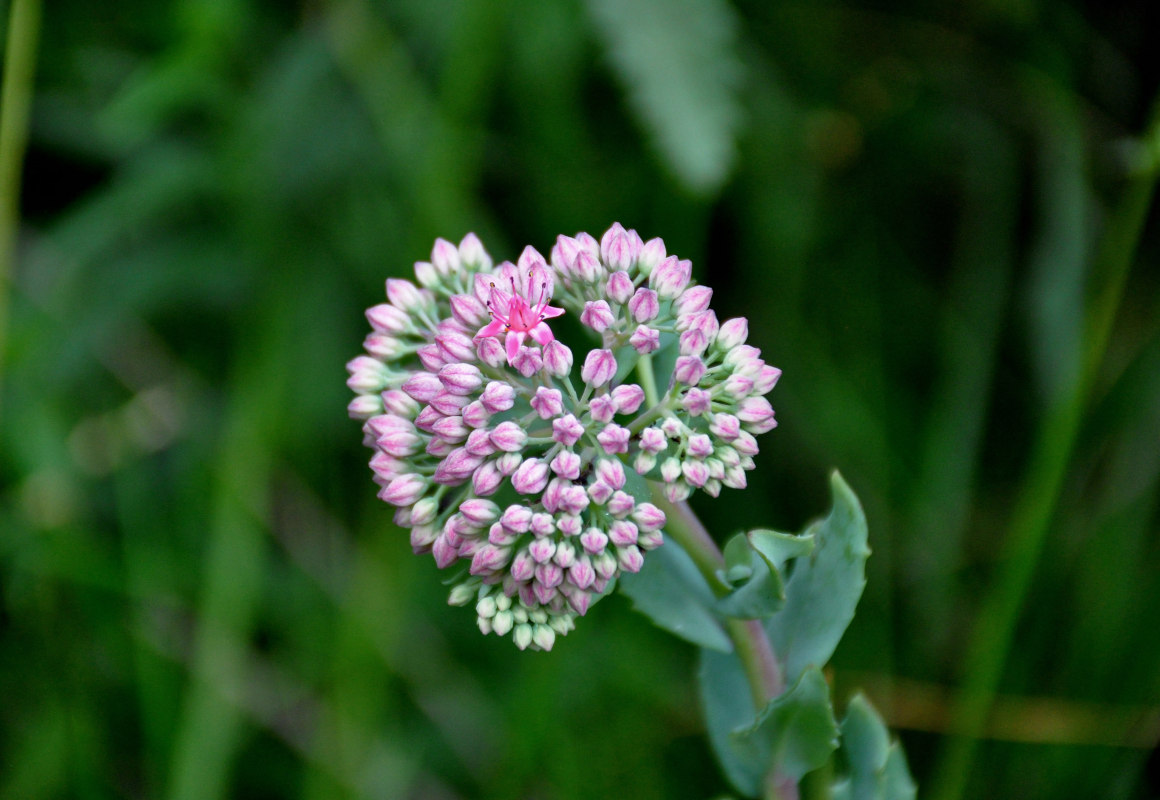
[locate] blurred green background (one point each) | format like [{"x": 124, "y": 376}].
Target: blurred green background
[{"x": 935, "y": 215}]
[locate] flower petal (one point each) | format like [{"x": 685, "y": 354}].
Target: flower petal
[
  {"x": 542, "y": 333},
  {"x": 515, "y": 340},
  {"x": 551, "y": 311},
  {"x": 493, "y": 328}
]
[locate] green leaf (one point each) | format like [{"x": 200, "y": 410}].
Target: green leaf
[
  {"x": 823, "y": 590},
  {"x": 729, "y": 707},
  {"x": 670, "y": 591},
  {"x": 757, "y": 589},
  {"x": 876, "y": 768},
  {"x": 678, "y": 61},
  {"x": 777, "y": 548},
  {"x": 796, "y": 727}
]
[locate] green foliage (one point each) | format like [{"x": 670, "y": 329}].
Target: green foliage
[{"x": 876, "y": 766}]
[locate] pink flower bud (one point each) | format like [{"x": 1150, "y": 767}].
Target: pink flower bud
[
  {"x": 644, "y": 305},
  {"x": 564, "y": 254},
  {"x": 569, "y": 524},
  {"x": 509, "y": 436},
  {"x": 694, "y": 299},
  {"x": 479, "y": 442},
  {"x": 689, "y": 369},
  {"x": 587, "y": 268},
  {"x": 468, "y": 310},
  {"x": 397, "y": 402},
  {"x": 531, "y": 477},
  {"x": 404, "y": 490},
  {"x": 366, "y": 375},
  {"x": 404, "y": 295},
  {"x": 693, "y": 343},
  {"x": 645, "y": 339},
  {"x": 672, "y": 427},
  {"x": 444, "y": 550},
  {"x": 567, "y": 430},
  {"x": 580, "y": 601},
  {"x": 530, "y": 259},
  {"x": 599, "y": 492},
  {"x": 581, "y": 573},
  {"x": 733, "y": 332},
  {"x": 523, "y": 566},
  {"x": 455, "y": 346},
  {"x": 471, "y": 253},
  {"x": 766, "y": 379},
  {"x": 447, "y": 403},
  {"x": 652, "y": 253},
  {"x": 622, "y": 533},
  {"x": 544, "y": 595},
  {"x": 594, "y": 540},
  {"x": 725, "y": 426},
  {"x": 549, "y": 575},
  {"x": 456, "y": 467},
  {"x": 614, "y": 438},
  {"x": 498, "y": 397},
  {"x": 629, "y": 558},
  {"x": 670, "y": 469},
  {"x": 425, "y": 273},
  {"x": 439, "y": 447},
  {"x": 700, "y": 446},
  {"x": 489, "y": 350},
  {"x": 653, "y": 440},
  {"x": 677, "y": 491},
  {"x": 734, "y": 478},
  {"x": 386, "y": 468},
  {"x": 565, "y": 555},
  {"x": 422, "y": 537},
  {"x": 431, "y": 357},
  {"x": 573, "y": 499},
  {"x": 517, "y": 518},
  {"x": 611, "y": 472},
  {"x": 543, "y": 524},
  {"x": 695, "y": 472},
  {"x": 599, "y": 367},
  {"x": 489, "y": 558},
  {"x": 475, "y": 415},
  {"x": 365, "y": 406},
  {"x": 754, "y": 411},
  {"x": 451, "y": 429},
  {"x": 548, "y": 402},
  {"x": 385, "y": 318},
  {"x": 650, "y": 541},
  {"x": 557, "y": 358},
  {"x": 399, "y": 442},
  {"x": 628, "y": 397},
  {"x": 500, "y": 536},
  {"x": 620, "y": 504},
  {"x": 542, "y": 550},
  {"x": 745, "y": 359},
  {"x": 745, "y": 444},
  {"x": 671, "y": 276},
  {"x": 382, "y": 345},
  {"x": 620, "y": 253},
  {"x": 697, "y": 401},
  {"x": 509, "y": 463},
  {"x": 423, "y": 386},
  {"x": 462, "y": 379},
  {"x": 619, "y": 287},
  {"x": 738, "y": 386},
  {"x": 602, "y": 408},
  {"x": 597, "y": 315},
  {"x": 486, "y": 479},
  {"x": 528, "y": 361},
  {"x": 644, "y": 462},
  {"x": 566, "y": 464},
  {"x": 445, "y": 257},
  {"x": 427, "y": 418},
  {"x": 615, "y": 230}
]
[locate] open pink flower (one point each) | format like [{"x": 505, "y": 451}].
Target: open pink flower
[{"x": 522, "y": 312}]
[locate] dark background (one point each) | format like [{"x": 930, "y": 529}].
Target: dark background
[{"x": 925, "y": 210}]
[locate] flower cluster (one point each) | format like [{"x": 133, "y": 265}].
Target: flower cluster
[{"x": 498, "y": 452}]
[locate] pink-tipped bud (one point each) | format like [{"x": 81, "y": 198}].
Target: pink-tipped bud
[
  {"x": 652, "y": 253},
  {"x": 594, "y": 540},
  {"x": 523, "y": 566},
  {"x": 697, "y": 401},
  {"x": 567, "y": 430},
  {"x": 766, "y": 379},
  {"x": 489, "y": 350},
  {"x": 531, "y": 477},
  {"x": 425, "y": 273},
  {"x": 693, "y": 343},
  {"x": 367, "y": 375},
  {"x": 471, "y": 253},
  {"x": 365, "y": 406},
  {"x": 467, "y": 309},
  {"x": 479, "y": 511},
  {"x": 614, "y": 231},
  {"x": 548, "y": 402},
  {"x": 645, "y": 340},
  {"x": 455, "y": 346},
  {"x": 451, "y": 428},
  {"x": 597, "y": 315},
  {"x": 745, "y": 444},
  {"x": 398, "y": 442},
  {"x": 517, "y": 518},
  {"x": 475, "y": 415},
  {"x": 696, "y": 472},
  {"x": 733, "y": 332},
  {"x": 700, "y": 446},
  {"x": 599, "y": 367},
  {"x": 692, "y": 300},
  {"x": 542, "y": 550},
  {"x": 427, "y": 418},
  {"x": 479, "y": 442},
  {"x": 383, "y": 345},
  {"x": 549, "y": 575},
  {"x": 599, "y": 492},
  {"x": 422, "y": 537},
  {"x": 630, "y": 558},
  {"x": 565, "y": 555},
  {"x": 404, "y": 490},
  {"x": 670, "y": 469},
  {"x": 509, "y": 436},
  {"x": 614, "y": 438},
  {"x": 397, "y": 402},
  {"x": 498, "y": 397},
  {"x": 628, "y": 397},
  {"x": 611, "y": 472},
  {"x": 602, "y": 407},
  {"x": 619, "y": 287},
  {"x": 671, "y": 276},
  {"x": 650, "y": 541},
  {"x": 587, "y": 268},
  {"x": 622, "y": 533},
  {"x": 573, "y": 499},
  {"x": 445, "y": 257},
  {"x": 528, "y": 361},
  {"x": 509, "y": 463},
  {"x": 738, "y": 386},
  {"x": 564, "y": 254},
  {"x": 725, "y": 426},
  {"x": 620, "y": 504},
  {"x": 431, "y": 357},
  {"x": 754, "y": 411},
  {"x": 456, "y": 467},
  {"x": 486, "y": 479},
  {"x": 385, "y": 318},
  {"x": 500, "y": 536},
  {"x": 488, "y": 559},
  {"x": 566, "y": 464},
  {"x": 447, "y": 403},
  {"x": 445, "y": 551},
  {"x": 405, "y": 295},
  {"x": 653, "y": 440},
  {"x": 423, "y": 386},
  {"x": 557, "y": 358},
  {"x": 689, "y": 370},
  {"x": 644, "y": 305},
  {"x": 569, "y": 524},
  {"x": 461, "y": 379}
]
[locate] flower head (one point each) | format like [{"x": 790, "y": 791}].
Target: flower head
[{"x": 457, "y": 421}]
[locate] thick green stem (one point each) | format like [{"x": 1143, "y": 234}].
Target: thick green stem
[
  {"x": 750, "y": 643},
  {"x": 15, "y": 102}
]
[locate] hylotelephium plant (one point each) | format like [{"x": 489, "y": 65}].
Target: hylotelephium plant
[{"x": 548, "y": 475}]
